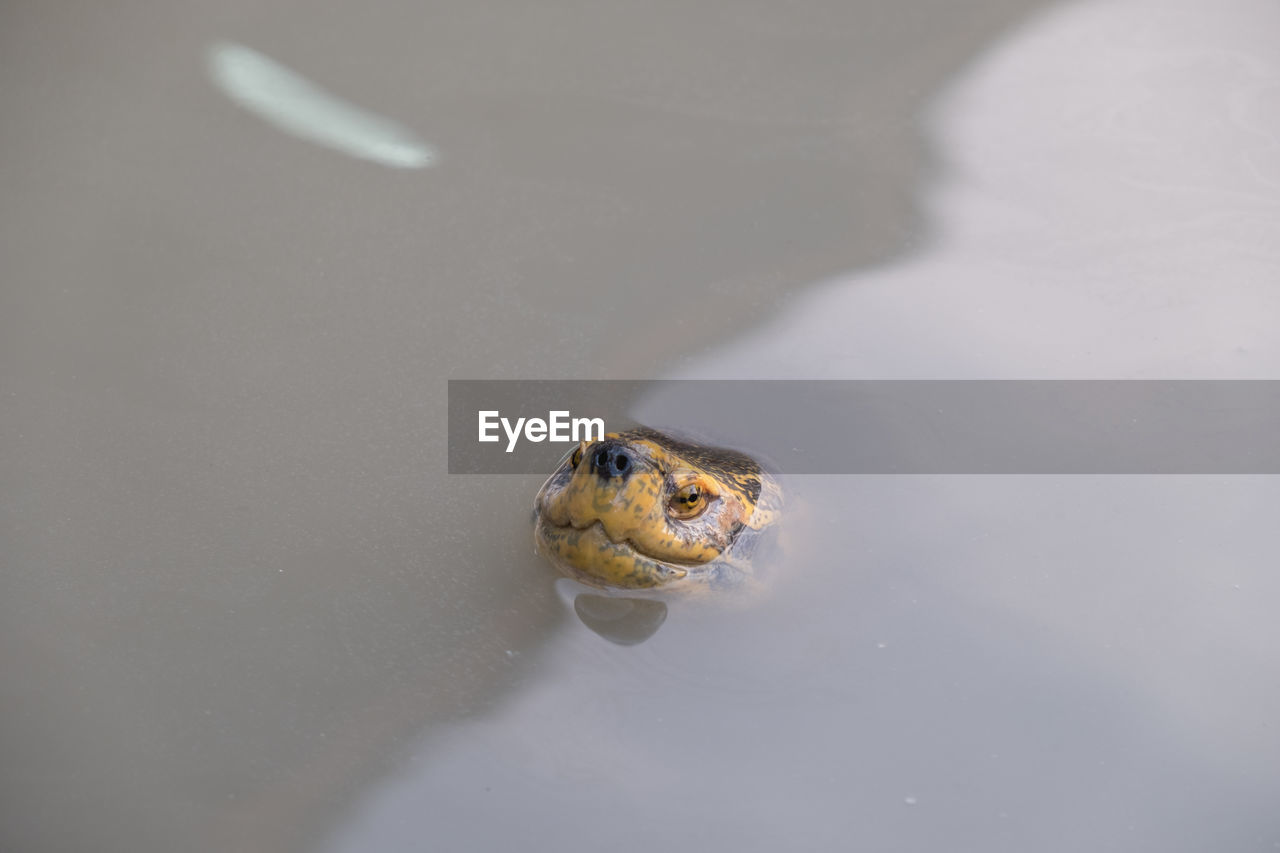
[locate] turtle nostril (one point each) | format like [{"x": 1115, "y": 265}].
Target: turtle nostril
[{"x": 611, "y": 461}]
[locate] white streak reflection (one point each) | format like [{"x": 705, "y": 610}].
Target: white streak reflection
[{"x": 297, "y": 106}]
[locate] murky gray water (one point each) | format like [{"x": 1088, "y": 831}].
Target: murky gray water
[{"x": 243, "y": 606}]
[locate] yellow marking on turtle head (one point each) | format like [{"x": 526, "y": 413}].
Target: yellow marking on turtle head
[{"x": 639, "y": 509}]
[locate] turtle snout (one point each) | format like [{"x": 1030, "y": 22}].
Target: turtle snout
[{"x": 612, "y": 460}]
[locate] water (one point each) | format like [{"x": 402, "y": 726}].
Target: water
[
  {"x": 245, "y": 608},
  {"x": 1032, "y": 663}
]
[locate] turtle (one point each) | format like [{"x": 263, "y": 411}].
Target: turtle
[{"x": 643, "y": 510}]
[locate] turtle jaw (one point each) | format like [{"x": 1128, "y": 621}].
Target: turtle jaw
[{"x": 591, "y": 556}]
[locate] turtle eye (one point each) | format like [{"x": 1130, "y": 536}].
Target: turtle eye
[
  {"x": 688, "y": 502},
  {"x": 577, "y": 455}
]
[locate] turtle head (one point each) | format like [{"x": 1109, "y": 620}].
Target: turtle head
[{"x": 639, "y": 509}]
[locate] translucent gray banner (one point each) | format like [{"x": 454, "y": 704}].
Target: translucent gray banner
[{"x": 886, "y": 427}]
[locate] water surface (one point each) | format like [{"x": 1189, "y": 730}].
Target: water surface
[
  {"x": 996, "y": 663},
  {"x": 243, "y": 606}
]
